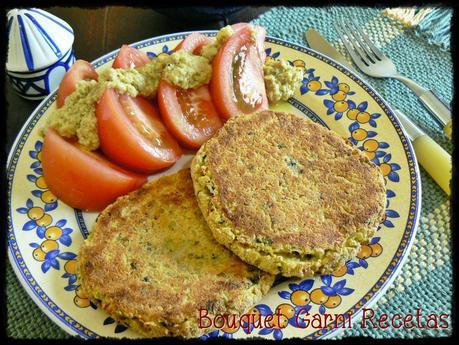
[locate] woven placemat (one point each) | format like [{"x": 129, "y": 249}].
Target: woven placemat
[{"x": 426, "y": 279}]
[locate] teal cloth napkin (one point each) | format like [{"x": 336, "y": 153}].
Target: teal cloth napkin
[{"x": 426, "y": 279}]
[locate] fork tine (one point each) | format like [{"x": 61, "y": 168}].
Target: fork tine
[
  {"x": 350, "y": 49},
  {"x": 353, "y": 49},
  {"x": 351, "y": 28},
  {"x": 378, "y": 53}
]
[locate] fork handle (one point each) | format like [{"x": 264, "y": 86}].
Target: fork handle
[{"x": 432, "y": 102}]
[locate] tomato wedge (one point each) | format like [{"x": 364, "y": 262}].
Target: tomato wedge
[
  {"x": 193, "y": 43},
  {"x": 261, "y": 35},
  {"x": 80, "y": 70},
  {"x": 131, "y": 133},
  {"x": 237, "y": 84},
  {"x": 129, "y": 57},
  {"x": 83, "y": 179},
  {"x": 190, "y": 114}
]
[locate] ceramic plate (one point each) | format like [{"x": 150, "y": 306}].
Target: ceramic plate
[{"x": 45, "y": 234}]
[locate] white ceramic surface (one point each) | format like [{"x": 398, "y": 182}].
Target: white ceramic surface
[{"x": 36, "y": 39}]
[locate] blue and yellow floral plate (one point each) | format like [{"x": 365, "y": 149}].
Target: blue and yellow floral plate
[{"x": 44, "y": 234}]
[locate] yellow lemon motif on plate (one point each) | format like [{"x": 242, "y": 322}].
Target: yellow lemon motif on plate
[
  {"x": 45, "y": 220},
  {"x": 48, "y": 197},
  {"x": 340, "y": 106},
  {"x": 370, "y": 145},
  {"x": 339, "y": 96},
  {"x": 80, "y": 293},
  {"x": 363, "y": 117},
  {"x": 385, "y": 168},
  {"x": 278, "y": 321},
  {"x": 53, "y": 233},
  {"x": 352, "y": 114},
  {"x": 318, "y": 297},
  {"x": 376, "y": 249},
  {"x": 340, "y": 271},
  {"x": 364, "y": 252},
  {"x": 299, "y": 63},
  {"x": 344, "y": 87},
  {"x": 314, "y": 85},
  {"x": 35, "y": 213},
  {"x": 231, "y": 328},
  {"x": 49, "y": 245},
  {"x": 285, "y": 309},
  {"x": 359, "y": 134},
  {"x": 70, "y": 266},
  {"x": 38, "y": 254},
  {"x": 41, "y": 183},
  {"x": 333, "y": 301},
  {"x": 300, "y": 297},
  {"x": 81, "y": 302}
]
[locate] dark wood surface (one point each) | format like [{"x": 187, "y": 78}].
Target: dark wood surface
[{"x": 101, "y": 30}]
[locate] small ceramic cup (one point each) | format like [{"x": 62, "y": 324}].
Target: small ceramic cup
[{"x": 39, "y": 51}]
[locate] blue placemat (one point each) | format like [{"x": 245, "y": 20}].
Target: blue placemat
[{"x": 426, "y": 279}]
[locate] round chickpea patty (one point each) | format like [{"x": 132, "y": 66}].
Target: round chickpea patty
[
  {"x": 287, "y": 195},
  {"x": 151, "y": 262}
]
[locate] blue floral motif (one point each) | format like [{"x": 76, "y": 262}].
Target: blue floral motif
[
  {"x": 312, "y": 83},
  {"x": 392, "y": 174},
  {"x": 119, "y": 328},
  {"x": 50, "y": 257},
  {"x": 165, "y": 50},
  {"x": 359, "y": 134},
  {"x": 34, "y": 153},
  {"x": 335, "y": 86},
  {"x": 390, "y": 214},
  {"x": 350, "y": 266},
  {"x": 269, "y": 53}
]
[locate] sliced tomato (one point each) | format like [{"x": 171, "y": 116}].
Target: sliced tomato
[
  {"x": 193, "y": 43},
  {"x": 83, "y": 179},
  {"x": 190, "y": 114},
  {"x": 237, "y": 84},
  {"x": 80, "y": 70},
  {"x": 261, "y": 35},
  {"x": 131, "y": 133},
  {"x": 129, "y": 57}
]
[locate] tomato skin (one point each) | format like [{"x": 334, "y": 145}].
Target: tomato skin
[
  {"x": 221, "y": 85},
  {"x": 193, "y": 43},
  {"x": 83, "y": 179},
  {"x": 129, "y": 57},
  {"x": 121, "y": 140},
  {"x": 189, "y": 129},
  {"x": 80, "y": 70},
  {"x": 261, "y": 35}
]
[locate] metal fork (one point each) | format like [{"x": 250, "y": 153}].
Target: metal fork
[{"x": 370, "y": 60}]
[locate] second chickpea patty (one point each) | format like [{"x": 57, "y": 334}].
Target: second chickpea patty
[
  {"x": 287, "y": 195},
  {"x": 151, "y": 262}
]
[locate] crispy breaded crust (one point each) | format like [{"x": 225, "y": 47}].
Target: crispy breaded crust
[
  {"x": 152, "y": 262},
  {"x": 287, "y": 195}
]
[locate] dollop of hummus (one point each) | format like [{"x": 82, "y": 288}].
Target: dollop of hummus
[
  {"x": 77, "y": 118},
  {"x": 281, "y": 79},
  {"x": 187, "y": 71},
  {"x": 210, "y": 50}
]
